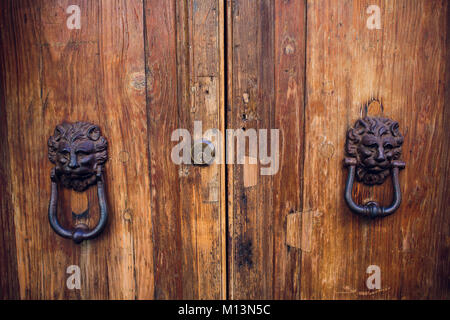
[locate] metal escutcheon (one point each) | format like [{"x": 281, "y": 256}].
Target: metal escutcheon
[{"x": 203, "y": 152}]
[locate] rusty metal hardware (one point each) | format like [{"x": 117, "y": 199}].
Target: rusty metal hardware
[
  {"x": 78, "y": 151},
  {"x": 373, "y": 147},
  {"x": 203, "y": 152}
]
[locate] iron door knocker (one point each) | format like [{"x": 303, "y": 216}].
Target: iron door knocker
[
  {"x": 78, "y": 151},
  {"x": 373, "y": 147}
]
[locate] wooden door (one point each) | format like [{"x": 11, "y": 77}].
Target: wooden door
[
  {"x": 308, "y": 68},
  {"x": 141, "y": 69}
]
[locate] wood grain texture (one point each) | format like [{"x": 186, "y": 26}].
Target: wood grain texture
[
  {"x": 199, "y": 80},
  {"x": 142, "y": 68},
  {"x": 26, "y": 145},
  {"x": 290, "y": 41},
  {"x": 185, "y": 84},
  {"x": 122, "y": 65},
  {"x": 402, "y": 64},
  {"x": 162, "y": 118},
  {"x": 266, "y": 81},
  {"x": 9, "y": 281},
  {"x": 250, "y": 106}
]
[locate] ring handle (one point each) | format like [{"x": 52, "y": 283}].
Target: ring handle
[
  {"x": 78, "y": 151},
  {"x": 372, "y": 209},
  {"x": 80, "y": 233}
]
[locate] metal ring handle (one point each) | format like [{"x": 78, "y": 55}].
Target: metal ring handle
[
  {"x": 372, "y": 209},
  {"x": 79, "y": 234}
]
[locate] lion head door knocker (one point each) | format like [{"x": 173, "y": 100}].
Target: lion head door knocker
[
  {"x": 78, "y": 151},
  {"x": 374, "y": 147}
]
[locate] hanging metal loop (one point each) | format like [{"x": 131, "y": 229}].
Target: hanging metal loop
[
  {"x": 372, "y": 209},
  {"x": 80, "y": 232}
]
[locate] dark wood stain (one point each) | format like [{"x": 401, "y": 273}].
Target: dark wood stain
[{"x": 244, "y": 253}]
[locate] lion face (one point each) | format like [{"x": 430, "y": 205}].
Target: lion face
[
  {"x": 77, "y": 149},
  {"x": 375, "y": 143}
]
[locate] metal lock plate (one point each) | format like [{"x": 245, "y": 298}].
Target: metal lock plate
[{"x": 203, "y": 152}]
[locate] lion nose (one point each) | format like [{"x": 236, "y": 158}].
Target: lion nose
[
  {"x": 380, "y": 156},
  {"x": 73, "y": 161}
]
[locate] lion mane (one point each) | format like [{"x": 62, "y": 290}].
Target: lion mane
[
  {"x": 72, "y": 133},
  {"x": 376, "y": 127}
]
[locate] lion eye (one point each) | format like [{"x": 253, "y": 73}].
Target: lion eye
[{"x": 81, "y": 153}]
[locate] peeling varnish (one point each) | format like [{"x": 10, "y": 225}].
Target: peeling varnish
[
  {"x": 299, "y": 227},
  {"x": 250, "y": 172}
]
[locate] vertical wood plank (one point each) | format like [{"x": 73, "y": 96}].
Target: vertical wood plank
[
  {"x": 162, "y": 109},
  {"x": 290, "y": 32},
  {"x": 186, "y": 85},
  {"x": 205, "y": 194},
  {"x": 402, "y": 64},
  {"x": 122, "y": 109},
  {"x": 27, "y": 150},
  {"x": 9, "y": 281},
  {"x": 266, "y": 73},
  {"x": 250, "y": 106}
]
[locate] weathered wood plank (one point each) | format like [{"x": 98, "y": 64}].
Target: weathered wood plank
[
  {"x": 26, "y": 136},
  {"x": 195, "y": 227},
  {"x": 123, "y": 112},
  {"x": 9, "y": 281},
  {"x": 250, "y": 106},
  {"x": 290, "y": 32},
  {"x": 402, "y": 64},
  {"x": 162, "y": 111},
  {"x": 266, "y": 84},
  {"x": 208, "y": 185}
]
